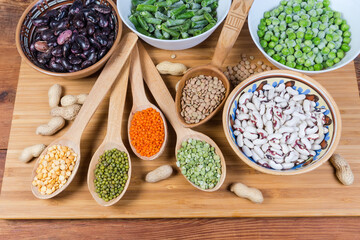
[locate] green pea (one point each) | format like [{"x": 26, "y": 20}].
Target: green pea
[
  {"x": 344, "y": 27},
  {"x": 345, "y": 47},
  {"x": 325, "y": 51},
  {"x": 346, "y": 34},
  {"x": 263, "y": 43}
]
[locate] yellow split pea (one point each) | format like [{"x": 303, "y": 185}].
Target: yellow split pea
[{"x": 55, "y": 167}]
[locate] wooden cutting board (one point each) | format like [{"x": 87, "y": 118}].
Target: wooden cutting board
[{"x": 317, "y": 193}]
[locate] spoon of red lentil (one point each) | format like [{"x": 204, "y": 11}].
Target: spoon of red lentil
[{"x": 147, "y": 129}]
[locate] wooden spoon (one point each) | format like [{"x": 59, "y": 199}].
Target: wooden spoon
[
  {"x": 104, "y": 82},
  {"x": 113, "y": 135},
  {"x": 166, "y": 103},
  {"x": 140, "y": 101},
  {"x": 230, "y": 32}
]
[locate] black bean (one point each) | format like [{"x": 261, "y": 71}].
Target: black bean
[
  {"x": 41, "y": 46},
  {"x": 56, "y": 66},
  {"x": 111, "y": 23},
  {"x": 102, "y": 53},
  {"x": 83, "y": 42},
  {"x": 90, "y": 28},
  {"x": 41, "y": 28},
  {"x": 102, "y": 40},
  {"x": 58, "y": 31},
  {"x": 62, "y": 14},
  {"x": 102, "y": 9},
  {"x": 40, "y": 21},
  {"x": 58, "y": 59},
  {"x": 106, "y": 31},
  {"x": 86, "y": 64},
  {"x": 103, "y": 22},
  {"x": 76, "y": 67},
  {"x": 94, "y": 43},
  {"x": 52, "y": 13},
  {"x": 112, "y": 35},
  {"x": 57, "y": 51},
  {"x": 93, "y": 57},
  {"x": 64, "y": 23},
  {"x": 76, "y": 7},
  {"x": 54, "y": 23},
  {"x": 81, "y": 55},
  {"x": 92, "y": 17},
  {"x": 37, "y": 37},
  {"x": 75, "y": 60},
  {"x": 41, "y": 59},
  {"x": 88, "y": 2},
  {"x": 52, "y": 42},
  {"x": 47, "y": 34},
  {"x": 75, "y": 48},
  {"x": 110, "y": 43},
  {"x": 88, "y": 52},
  {"x": 66, "y": 49},
  {"x": 66, "y": 64},
  {"x": 78, "y": 20}
]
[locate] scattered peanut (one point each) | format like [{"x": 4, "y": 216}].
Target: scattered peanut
[
  {"x": 54, "y": 169},
  {"x": 175, "y": 69},
  {"x": 244, "y": 191},
  {"x": 53, "y": 126},
  {"x": 343, "y": 170},
  {"x": 54, "y": 94},
  {"x": 244, "y": 69},
  {"x": 68, "y": 112},
  {"x": 159, "y": 174},
  {"x": 69, "y": 100},
  {"x": 31, "y": 152},
  {"x": 173, "y": 56}
]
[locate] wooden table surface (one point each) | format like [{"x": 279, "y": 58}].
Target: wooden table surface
[{"x": 239, "y": 228}]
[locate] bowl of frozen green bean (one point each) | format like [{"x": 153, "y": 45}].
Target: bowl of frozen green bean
[
  {"x": 173, "y": 24},
  {"x": 307, "y": 36}
]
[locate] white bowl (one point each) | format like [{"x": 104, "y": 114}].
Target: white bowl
[
  {"x": 124, "y": 8},
  {"x": 350, "y": 10}
]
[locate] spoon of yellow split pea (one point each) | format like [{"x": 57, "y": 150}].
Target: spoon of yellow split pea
[{"x": 70, "y": 141}]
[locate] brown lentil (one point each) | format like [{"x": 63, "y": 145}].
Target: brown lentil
[
  {"x": 244, "y": 69},
  {"x": 201, "y": 96}
]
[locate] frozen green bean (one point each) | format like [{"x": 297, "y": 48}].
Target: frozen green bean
[{"x": 174, "y": 19}]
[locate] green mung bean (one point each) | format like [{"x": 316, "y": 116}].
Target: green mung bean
[
  {"x": 199, "y": 163},
  {"x": 111, "y": 174}
]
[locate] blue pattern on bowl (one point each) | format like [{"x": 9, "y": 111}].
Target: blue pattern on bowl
[{"x": 252, "y": 89}]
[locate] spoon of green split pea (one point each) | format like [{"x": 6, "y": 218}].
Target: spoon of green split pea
[{"x": 166, "y": 103}]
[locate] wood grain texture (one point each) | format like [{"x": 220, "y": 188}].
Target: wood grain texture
[
  {"x": 240, "y": 228},
  {"x": 317, "y": 193},
  {"x": 243, "y": 228}
]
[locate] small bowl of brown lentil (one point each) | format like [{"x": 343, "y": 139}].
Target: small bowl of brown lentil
[{"x": 200, "y": 95}]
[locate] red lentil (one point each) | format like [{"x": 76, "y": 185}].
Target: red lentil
[{"x": 147, "y": 132}]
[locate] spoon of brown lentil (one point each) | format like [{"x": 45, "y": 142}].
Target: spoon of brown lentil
[
  {"x": 203, "y": 90},
  {"x": 147, "y": 129},
  {"x": 212, "y": 177},
  {"x": 57, "y": 165},
  {"x": 111, "y": 156}
]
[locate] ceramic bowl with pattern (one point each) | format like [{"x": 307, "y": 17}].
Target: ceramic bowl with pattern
[
  {"x": 25, "y": 32},
  {"x": 305, "y": 85}
]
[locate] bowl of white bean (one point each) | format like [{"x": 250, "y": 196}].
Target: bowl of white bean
[{"x": 282, "y": 122}]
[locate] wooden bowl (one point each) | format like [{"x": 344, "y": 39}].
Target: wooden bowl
[
  {"x": 25, "y": 31},
  {"x": 208, "y": 70},
  {"x": 304, "y": 85}
]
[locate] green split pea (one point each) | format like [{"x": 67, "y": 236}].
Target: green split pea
[
  {"x": 199, "y": 163},
  {"x": 111, "y": 174}
]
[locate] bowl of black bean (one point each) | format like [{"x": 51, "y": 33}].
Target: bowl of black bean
[
  {"x": 173, "y": 24},
  {"x": 67, "y": 38}
]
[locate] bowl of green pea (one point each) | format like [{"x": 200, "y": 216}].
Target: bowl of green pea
[
  {"x": 173, "y": 24},
  {"x": 307, "y": 36}
]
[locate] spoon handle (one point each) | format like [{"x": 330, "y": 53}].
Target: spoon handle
[
  {"x": 160, "y": 91},
  {"x": 136, "y": 79},
  {"x": 231, "y": 30},
  {"x": 116, "y": 105},
  {"x": 102, "y": 85}
]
